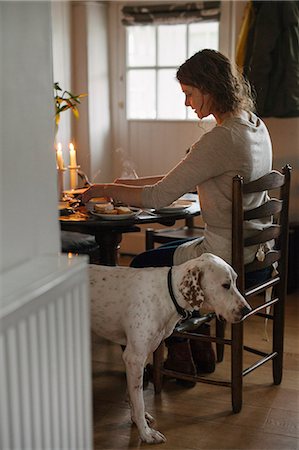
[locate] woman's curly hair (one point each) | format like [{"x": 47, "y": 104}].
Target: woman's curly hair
[{"x": 212, "y": 73}]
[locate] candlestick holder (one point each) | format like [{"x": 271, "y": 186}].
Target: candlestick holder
[
  {"x": 60, "y": 181},
  {"x": 73, "y": 176}
]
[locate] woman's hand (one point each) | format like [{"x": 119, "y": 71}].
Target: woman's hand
[
  {"x": 126, "y": 194},
  {"x": 96, "y": 190}
]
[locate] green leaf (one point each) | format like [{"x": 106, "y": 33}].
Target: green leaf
[
  {"x": 75, "y": 112},
  {"x": 64, "y": 108},
  {"x": 64, "y": 101},
  {"x": 57, "y": 87}
]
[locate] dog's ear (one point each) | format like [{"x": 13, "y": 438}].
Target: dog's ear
[{"x": 190, "y": 287}]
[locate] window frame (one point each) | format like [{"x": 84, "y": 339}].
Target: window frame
[{"x": 231, "y": 16}]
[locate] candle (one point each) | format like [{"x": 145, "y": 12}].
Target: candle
[
  {"x": 73, "y": 161},
  {"x": 73, "y": 167},
  {"x": 59, "y": 158},
  {"x": 73, "y": 178}
]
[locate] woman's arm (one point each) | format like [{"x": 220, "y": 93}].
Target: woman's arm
[
  {"x": 142, "y": 181},
  {"x": 127, "y": 191}
]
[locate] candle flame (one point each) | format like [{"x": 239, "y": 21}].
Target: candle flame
[
  {"x": 59, "y": 146},
  {"x": 71, "y": 146}
]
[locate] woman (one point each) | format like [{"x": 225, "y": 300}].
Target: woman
[{"x": 238, "y": 144}]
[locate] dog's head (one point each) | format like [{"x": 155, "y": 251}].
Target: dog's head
[{"x": 209, "y": 282}]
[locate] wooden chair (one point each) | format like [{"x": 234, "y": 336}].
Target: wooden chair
[
  {"x": 278, "y": 209},
  {"x": 164, "y": 235}
]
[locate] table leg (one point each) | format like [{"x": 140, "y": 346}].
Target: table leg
[{"x": 108, "y": 247}]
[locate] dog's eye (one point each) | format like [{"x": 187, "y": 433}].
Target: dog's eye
[{"x": 226, "y": 285}]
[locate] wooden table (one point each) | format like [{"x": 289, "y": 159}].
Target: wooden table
[{"x": 108, "y": 234}]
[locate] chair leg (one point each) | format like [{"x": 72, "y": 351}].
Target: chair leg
[
  {"x": 278, "y": 338},
  {"x": 158, "y": 360},
  {"x": 149, "y": 239},
  {"x": 220, "y": 330},
  {"x": 237, "y": 367}
]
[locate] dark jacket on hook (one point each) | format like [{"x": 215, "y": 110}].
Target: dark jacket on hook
[{"x": 272, "y": 57}]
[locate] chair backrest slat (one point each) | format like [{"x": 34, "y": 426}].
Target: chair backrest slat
[
  {"x": 267, "y": 209},
  {"x": 266, "y": 235},
  {"x": 268, "y": 182},
  {"x": 271, "y": 257}
]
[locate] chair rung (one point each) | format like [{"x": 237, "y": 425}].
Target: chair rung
[
  {"x": 258, "y": 308},
  {"x": 196, "y": 378},
  {"x": 258, "y": 289},
  {"x": 265, "y": 316},
  {"x": 255, "y": 351},
  {"x": 259, "y": 363},
  {"x": 202, "y": 337}
]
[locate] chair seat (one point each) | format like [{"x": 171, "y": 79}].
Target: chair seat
[
  {"x": 77, "y": 242},
  {"x": 163, "y": 236},
  {"x": 179, "y": 233},
  {"x": 81, "y": 244}
]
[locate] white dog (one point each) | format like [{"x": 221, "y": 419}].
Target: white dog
[{"x": 135, "y": 308}]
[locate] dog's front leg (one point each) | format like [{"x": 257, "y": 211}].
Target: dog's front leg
[{"x": 134, "y": 369}]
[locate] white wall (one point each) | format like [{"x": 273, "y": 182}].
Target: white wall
[
  {"x": 28, "y": 204},
  {"x": 99, "y": 86},
  {"x": 91, "y": 75},
  {"x": 81, "y": 65},
  {"x": 285, "y": 139}
]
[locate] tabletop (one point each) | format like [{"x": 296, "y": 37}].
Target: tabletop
[{"x": 108, "y": 233}]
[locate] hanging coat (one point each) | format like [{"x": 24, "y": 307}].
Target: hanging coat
[{"x": 271, "y": 62}]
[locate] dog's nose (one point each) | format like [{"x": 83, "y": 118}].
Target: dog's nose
[{"x": 245, "y": 310}]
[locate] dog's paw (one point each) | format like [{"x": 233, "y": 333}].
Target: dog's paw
[
  {"x": 149, "y": 418},
  {"x": 151, "y": 436}
]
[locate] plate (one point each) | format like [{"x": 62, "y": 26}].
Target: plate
[
  {"x": 177, "y": 206},
  {"x": 134, "y": 212}
]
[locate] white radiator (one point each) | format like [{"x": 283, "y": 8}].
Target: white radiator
[{"x": 45, "y": 369}]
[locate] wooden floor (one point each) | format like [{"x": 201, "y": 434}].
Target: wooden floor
[{"x": 201, "y": 417}]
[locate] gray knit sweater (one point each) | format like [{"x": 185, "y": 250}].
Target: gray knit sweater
[{"x": 240, "y": 145}]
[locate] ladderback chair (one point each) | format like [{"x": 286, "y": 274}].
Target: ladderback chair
[{"x": 276, "y": 207}]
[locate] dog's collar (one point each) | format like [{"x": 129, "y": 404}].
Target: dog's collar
[{"x": 181, "y": 311}]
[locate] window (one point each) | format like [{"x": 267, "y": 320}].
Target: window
[{"x": 154, "y": 53}]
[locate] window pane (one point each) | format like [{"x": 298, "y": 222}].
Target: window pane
[
  {"x": 141, "y": 91},
  {"x": 171, "y": 44},
  {"x": 170, "y": 96},
  {"x": 203, "y": 35},
  {"x": 141, "y": 46}
]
